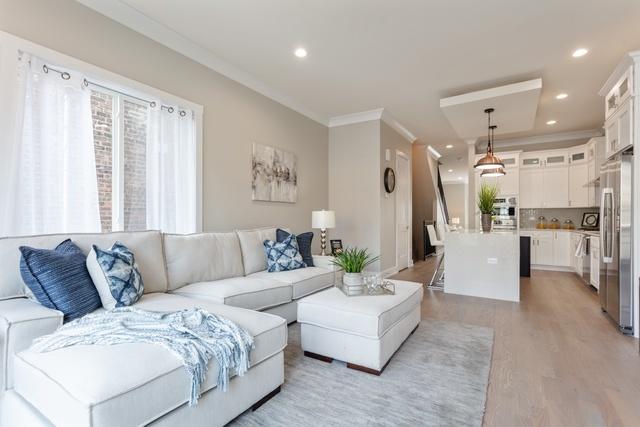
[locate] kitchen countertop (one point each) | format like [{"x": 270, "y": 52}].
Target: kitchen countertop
[{"x": 587, "y": 232}]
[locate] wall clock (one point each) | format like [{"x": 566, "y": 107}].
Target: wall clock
[{"x": 389, "y": 180}]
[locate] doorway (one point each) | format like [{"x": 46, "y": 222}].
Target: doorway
[{"x": 403, "y": 211}]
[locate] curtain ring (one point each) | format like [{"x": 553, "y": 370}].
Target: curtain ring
[
  {"x": 152, "y": 104},
  {"x": 65, "y": 75},
  {"x": 85, "y": 82},
  {"x": 170, "y": 109},
  {"x": 183, "y": 113},
  {"x": 45, "y": 68}
]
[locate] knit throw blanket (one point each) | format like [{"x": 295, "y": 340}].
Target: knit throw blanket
[{"x": 194, "y": 335}]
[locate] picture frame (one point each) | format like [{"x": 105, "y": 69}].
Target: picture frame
[
  {"x": 590, "y": 219},
  {"x": 336, "y": 247}
]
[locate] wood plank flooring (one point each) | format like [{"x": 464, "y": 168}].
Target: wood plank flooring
[{"x": 557, "y": 360}]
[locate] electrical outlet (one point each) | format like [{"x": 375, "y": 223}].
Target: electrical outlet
[{"x": 492, "y": 260}]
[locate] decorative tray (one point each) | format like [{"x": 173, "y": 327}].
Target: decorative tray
[{"x": 384, "y": 288}]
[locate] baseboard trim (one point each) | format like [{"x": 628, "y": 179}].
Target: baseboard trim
[
  {"x": 389, "y": 272},
  {"x": 552, "y": 268}
]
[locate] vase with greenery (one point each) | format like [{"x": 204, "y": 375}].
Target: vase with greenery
[
  {"x": 353, "y": 261},
  {"x": 486, "y": 199}
]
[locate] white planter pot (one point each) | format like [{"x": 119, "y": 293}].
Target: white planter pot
[{"x": 352, "y": 279}]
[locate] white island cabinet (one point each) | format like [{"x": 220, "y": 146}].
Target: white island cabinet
[{"x": 483, "y": 265}]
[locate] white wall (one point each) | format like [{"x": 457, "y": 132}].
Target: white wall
[
  {"x": 234, "y": 115},
  {"x": 354, "y": 194},
  {"x": 456, "y": 197}
]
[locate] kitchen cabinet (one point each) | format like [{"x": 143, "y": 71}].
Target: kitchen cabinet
[
  {"x": 556, "y": 158},
  {"x": 578, "y": 185},
  {"x": 530, "y": 188},
  {"x": 578, "y": 154},
  {"x": 555, "y": 187},
  {"x": 550, "y": 248},
  {"x": 594, "y": 243},
  {"x": 530, "y": 160},
  {"x": 619, "y": 93},
  {"x": 618, "y": 129},
  {"x": 561, "y": 248}
]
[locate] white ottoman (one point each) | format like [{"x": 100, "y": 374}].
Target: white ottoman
[{"x": 363, "y": 331}]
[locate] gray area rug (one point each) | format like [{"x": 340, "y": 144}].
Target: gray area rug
[{"x": 439, "y": 377}]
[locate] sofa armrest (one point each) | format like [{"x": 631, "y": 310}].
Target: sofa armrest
[
  {"x": 21, "y": 321},
  {"x": 324, "y": 262}
]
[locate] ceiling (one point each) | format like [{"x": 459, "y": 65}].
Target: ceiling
[{"x": 403, "y": 55}]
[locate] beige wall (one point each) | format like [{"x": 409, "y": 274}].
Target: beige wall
[
  {"x": 456, "y": 197},
  {"x": 234, "y": 115},
  {"x": 391, "y": 140},
  {"x": 354, "y": 194},
  {"x": 423, "y": 195}
]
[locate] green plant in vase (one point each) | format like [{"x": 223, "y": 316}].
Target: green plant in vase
[
  {"x": 353, "y": 261},
  {"x": 486, "y": 199}
]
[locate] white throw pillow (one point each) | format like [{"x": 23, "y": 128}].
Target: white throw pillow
[{"x": 115, "y": 275}]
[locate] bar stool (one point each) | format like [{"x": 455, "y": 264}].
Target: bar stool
[{"x": 437, "y": 281}]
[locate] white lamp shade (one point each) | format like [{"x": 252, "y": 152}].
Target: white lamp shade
[{"x": 323, "y": 219}]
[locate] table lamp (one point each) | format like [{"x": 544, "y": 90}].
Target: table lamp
[{"x": 323, "y": 220}]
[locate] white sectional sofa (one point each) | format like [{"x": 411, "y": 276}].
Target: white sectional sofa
[{"x": 142, "y": 384}]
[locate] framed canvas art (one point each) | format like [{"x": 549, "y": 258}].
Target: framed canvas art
[{"x": 274, "y": 174}]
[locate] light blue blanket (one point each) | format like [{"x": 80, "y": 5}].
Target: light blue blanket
[{"x": 194, "y": 335}]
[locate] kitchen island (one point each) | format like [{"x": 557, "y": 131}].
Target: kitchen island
[{"x": 483, "y": 265}]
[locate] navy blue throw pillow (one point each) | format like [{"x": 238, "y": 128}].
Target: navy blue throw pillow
[
  {"x": 304, "y": 244},
  {"x": 59, "y": 279}
]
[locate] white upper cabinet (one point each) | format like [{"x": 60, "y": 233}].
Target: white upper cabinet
[
  {"x": 619, "y": 129},
  {"x": 555, "y": 187},
  {"x": 530, "y": 160},
  {"x": 579, "y": 154},
  {"x": 619, "y": 93},
  {"x": 530, "y": 188},
  {"x": 578, "y": 185},
  {"x": 556, "y": 158}
]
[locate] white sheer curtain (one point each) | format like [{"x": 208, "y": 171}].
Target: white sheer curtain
[
  {"x": 171, "y": 171},
  {"x": 54, "y": 188}
]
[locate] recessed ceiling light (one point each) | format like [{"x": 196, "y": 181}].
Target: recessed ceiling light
[
  {"x": 300, "y": 52},
  {"x": 561, "y": 96},
  {"x": 450, "y": 170},
  {"x": 460, "y": 178},
  {"x": 551, "y": 122},
  {"x": 579, "y": 52},
  {"x": 449, "y": 146}
]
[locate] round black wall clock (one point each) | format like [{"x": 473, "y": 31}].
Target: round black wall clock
[{"x": 389, "y": 180}]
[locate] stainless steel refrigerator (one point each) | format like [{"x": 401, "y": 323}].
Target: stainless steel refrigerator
[{"x": 616, "y": 280}]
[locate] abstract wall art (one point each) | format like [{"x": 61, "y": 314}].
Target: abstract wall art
[{"x": 274, "y": 174}]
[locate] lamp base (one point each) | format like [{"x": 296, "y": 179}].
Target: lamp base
[{"x": 323, "y": 241}]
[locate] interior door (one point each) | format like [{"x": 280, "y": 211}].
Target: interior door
[{"x": 403, "y": 209}]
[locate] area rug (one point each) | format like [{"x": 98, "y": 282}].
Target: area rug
[{"x": 439, "y": 377}]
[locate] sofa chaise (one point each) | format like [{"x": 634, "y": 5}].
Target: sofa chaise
[{"x": 144, "y": 384}]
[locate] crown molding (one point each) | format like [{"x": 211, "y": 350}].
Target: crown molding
[
  {"x": 140, "y": 23},
  {"x": 370, "y": 115},
  {"x": 542, "y": 139}
]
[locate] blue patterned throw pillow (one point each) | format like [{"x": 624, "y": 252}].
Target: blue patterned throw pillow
[
  {"x": 304, "y": 243},
  {"x": 116, "y": 275},
  {"x": 59, "y": 279},
  {"x": 283, "y": 256}
]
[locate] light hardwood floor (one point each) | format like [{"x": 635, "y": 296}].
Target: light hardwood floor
[{"x": 557, "y": 360}]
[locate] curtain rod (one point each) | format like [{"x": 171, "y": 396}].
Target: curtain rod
[{"x": 66, "y": 76}]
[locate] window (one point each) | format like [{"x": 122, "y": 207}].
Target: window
[
  {"x": 89, "y": 155},
  {"x": 121, "y": 207}
]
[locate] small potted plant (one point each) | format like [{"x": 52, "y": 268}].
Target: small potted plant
[
  {"x": 353, "y": 261},
  {"x": 486, "y": 199}
]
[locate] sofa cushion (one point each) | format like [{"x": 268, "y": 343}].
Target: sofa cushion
[
  {"x": 115, "y": 275},
  {"x": 147, "y": 245},
  {"x": 245, "y": 292},
  {"x": 90, "y": 384},
  {"x": 253, "y": 256},
  {"x": 59, "y": 279},
  {"x": 202, "y": 257},
  {"x": 304, "y": 281},
  {"x": 304, "y": 244},
  {"x": 365, "y": 316}
]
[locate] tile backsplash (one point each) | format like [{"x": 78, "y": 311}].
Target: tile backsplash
[{"x": 529, "y": 217}]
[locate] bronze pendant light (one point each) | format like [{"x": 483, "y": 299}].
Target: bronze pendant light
[
  {"x": 491, "y": 173},
  {"x": 489, "y": 161}
]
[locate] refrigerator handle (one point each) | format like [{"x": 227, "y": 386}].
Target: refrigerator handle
[{"x": 606, "y": 234}]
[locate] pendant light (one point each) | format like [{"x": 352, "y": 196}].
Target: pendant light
[
  {"x": 489, "y": 161},
  {"x": 492, "y": 173}
]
